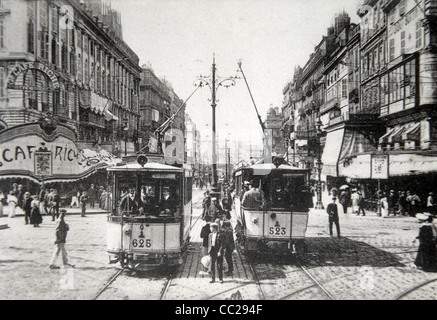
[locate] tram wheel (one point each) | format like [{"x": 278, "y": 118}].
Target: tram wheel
[{"x": 301, "y": 247}]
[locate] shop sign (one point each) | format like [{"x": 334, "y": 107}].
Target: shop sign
[
  {"x": 43, "y": 163},
  {"x": 379, "y": 166},
  {"x": 22, "y": 67}
]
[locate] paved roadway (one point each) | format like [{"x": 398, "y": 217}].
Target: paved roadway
[{"x": 373, "y": 260}]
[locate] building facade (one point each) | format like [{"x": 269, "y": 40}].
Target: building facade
[
  {"x": 378, "y": 113},
  {"x": 64, "y": 62}
]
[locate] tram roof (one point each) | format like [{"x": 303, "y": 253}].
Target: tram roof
[
  {"x": 150, "y": 166},
  {"x": 271, "y": 166}
]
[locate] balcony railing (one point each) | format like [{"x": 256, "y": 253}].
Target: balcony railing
[
  {"x": 332, "y": 103},
  {"x": 431, "y": 7}
]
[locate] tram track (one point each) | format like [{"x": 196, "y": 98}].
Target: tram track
[
  {"x": 110, "y": 281},
  {"x": 413, "y": 289}
]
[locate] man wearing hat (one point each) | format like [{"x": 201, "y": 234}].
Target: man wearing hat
[
  {"x": 228, "y": 245},
  {"x": 246, "y": 187},
  {"x": 215, "y": 250},
  {"x": 130, "y": 203},
  {"x": 61, "y": 235},
  {"x": 332, "y": 210},
  {"x": 169, "y": 202},
  {"x": 254, "y": 198}
]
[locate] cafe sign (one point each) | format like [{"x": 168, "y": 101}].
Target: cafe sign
[{"x": 23, "y": 67}]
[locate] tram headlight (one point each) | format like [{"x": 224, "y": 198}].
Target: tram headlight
[
  {"x": 273, "y": 215},
  {"x": 255, "y": 220},
  {"x": 127, "y": 231}
]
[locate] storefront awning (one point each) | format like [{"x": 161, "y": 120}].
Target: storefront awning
[
  {"x": 110, "y": 116},
  {"x": 413, "y": 133},
  {"x": 411, "y": 164},
  {"x": 384, "y": 138},
  {"x": 396, "y": 136},
  {"x": 331, "y": 153}
]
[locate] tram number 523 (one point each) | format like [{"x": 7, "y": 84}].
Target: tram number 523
[
  {"x": 141, "y": 243},
  {"x": 277, "y": 231}
]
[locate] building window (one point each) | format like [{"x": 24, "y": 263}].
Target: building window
[
  {"x": 402, "y": 5},
  {"x": 45, "y": 44},
  {"x": 392, "y": 49},
  {"x": 55, "y": 19},
  {"x": 344, "y": 89},
  {"x": 2, "y": 83},
  {"x": 72, "y": 62},
  {"x": 64, "y": 57},
  {"x": 2, "y": 34},
  {"x": 418, "y": 34},
  {"x": 402, "y": 42},
  {"x": 31, "y": 37}
]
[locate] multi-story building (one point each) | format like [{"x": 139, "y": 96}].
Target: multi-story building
[
  {"x": 161, "y": 109},
  {"x": 408, "y": 96},
  {"x": 273, "y": 126},
  {"x": 155, "y": 108},
  {"x": 65, "y": 61}
]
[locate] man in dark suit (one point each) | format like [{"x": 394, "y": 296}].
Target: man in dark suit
[
  {"x": 130, "y": 204},
  {"x": 169, "y": 203},
  {"x": 228, "y": 246},
  {"x": 215, "y": 250},
  {"x": 332, "y": 211}
]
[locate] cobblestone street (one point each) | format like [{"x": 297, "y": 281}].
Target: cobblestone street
[{"x": 373, "y": 260}]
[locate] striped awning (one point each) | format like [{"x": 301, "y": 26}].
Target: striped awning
[{"x": 413, "y": 133}]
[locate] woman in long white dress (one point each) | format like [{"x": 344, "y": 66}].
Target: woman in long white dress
[
  {"x": 384, "y": 206},
  {"x": 12, "y": 201}
]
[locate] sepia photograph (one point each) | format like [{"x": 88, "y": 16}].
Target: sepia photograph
[{"x": 218, "y": 155}]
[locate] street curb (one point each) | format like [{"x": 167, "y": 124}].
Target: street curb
[{"x": 3, "y": 226}]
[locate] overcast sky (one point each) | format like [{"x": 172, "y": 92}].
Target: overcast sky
[{"x": 179, "y": 37}]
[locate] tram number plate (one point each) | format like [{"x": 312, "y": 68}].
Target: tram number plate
[
  {"x": 147, "y": 243},
  {"x": 278, "y": 231}
]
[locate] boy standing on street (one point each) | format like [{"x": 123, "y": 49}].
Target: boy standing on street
[{"x": 61, "y": 236}]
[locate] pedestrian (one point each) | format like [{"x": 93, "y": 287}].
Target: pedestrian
[
  {"x": 361, "y": 204},
  {"x": 392, "y": 200},
  {"x": 12, "y": 203},
  {"x": 92, "y": 194},
  {"x": 75, "y": 199},
  {"x": 204, "y": 235},
  {"x": 99, "y": 196},
  {"x": 35, "y": 214},
  {"x": 345, "y": 199},
  {"x": 426, "y": 258},
  {"x": 27, "y": 207},
  {"x": 383, "y": 204},
  {"x": 2, "y": 199},
  {"x": 206, "y": 203},
  {"x": 55, "y": 202},
  {"x": 354, "y": 199},
  {"x": 430, "y": 204},
  {"x": 228, "y": 246},
  {"x": 415, "y": 204},
  {"x": 332, "y": 210},
  {"x": 62, "y": 229},
  {"x": 409, "y": 208},
  {"x": 214, "y": 209},
  {"x": 402, "y": 203},
  {"x": 42, "y": 197},
  {"x": 83, "y": 202},
  {"x": 20, "y": 196},
  {"x": 215, "y": 250}
]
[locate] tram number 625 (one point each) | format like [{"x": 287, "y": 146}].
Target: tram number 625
[
  {"x": 141, "y": 243},
  {"x": 278, "y": 231}
]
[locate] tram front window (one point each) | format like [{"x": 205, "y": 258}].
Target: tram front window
[
  {"x": 290, "y": 192},
  {"x": 152, "y": 197}
]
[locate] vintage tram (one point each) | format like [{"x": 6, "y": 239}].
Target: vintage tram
[
  {"x": 149, "y": 222},
  {"x": 277, "y": 221}
]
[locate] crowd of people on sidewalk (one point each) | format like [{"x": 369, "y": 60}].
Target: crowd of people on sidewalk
[{"x": 392, "y": 203}]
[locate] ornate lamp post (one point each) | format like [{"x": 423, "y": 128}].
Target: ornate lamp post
[{"x": 214, "y": 82}]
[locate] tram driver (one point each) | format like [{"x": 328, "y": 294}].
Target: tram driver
[
  {"x": 148, "y": 201},
  {"x": 169, "y": 202},
  {"x": 130, "y": 203},
  {"x": 254, "y": 198}
]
